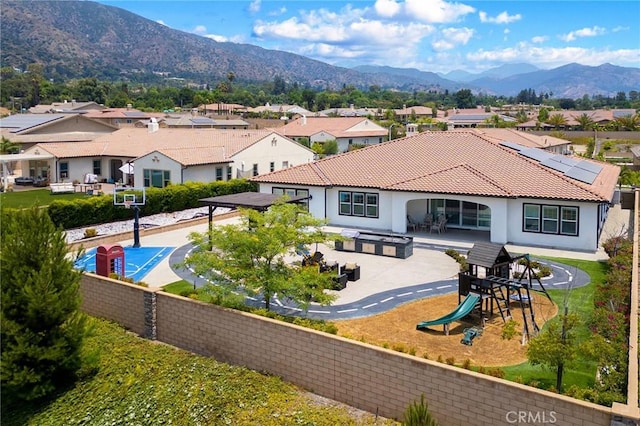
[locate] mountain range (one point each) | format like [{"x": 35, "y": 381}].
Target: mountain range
[{"x": 74, "y": 39}]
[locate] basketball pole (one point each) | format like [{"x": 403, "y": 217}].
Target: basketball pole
[{"x": 136, "y": 226}]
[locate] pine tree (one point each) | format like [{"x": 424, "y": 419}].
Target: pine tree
[{"x": 42, "y": 329}]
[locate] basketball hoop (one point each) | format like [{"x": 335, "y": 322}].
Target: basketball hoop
[{"x": 127, "y": 204}]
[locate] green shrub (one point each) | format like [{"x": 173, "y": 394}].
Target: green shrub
[
  {"x": 462, "y": 260},
  {"x": 466, "y": 364},
  {"x": 417, "y": 414},
  {"x": 399, "y": 347},
  {"x": 509, "y": 329},
  {"x": 90, "y": 232},
  {"x": 451, "y": 360}
]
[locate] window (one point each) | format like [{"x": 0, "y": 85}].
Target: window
[
  {"x": 358, "y": 204},
  {"x": 547, "y": 219},
  {"x": 569, "y": 221},
  {"x": 97, "y": 167},
  {"x": 531, "y": 218},
  {"x": 229, "y": 173},
  {"x": 550, "y": 219},
  {"x": 255, "y": 169},
  {"x": 292, "y": 192},
  {"x": 285, "y": 164},
  {"x": 156, "y": 178},
  {"x": 218, "y": 173},
  {"x": 64, "y": 170},
  {"x": 272, "y": 166}
]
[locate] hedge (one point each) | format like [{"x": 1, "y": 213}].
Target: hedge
[{"x": 96, "y": 210}]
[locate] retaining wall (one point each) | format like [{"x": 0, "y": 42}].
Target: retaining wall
[{"x": 361, "y": 375}]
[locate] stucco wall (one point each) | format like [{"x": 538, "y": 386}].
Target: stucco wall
[{"x": 364, "y": 376}]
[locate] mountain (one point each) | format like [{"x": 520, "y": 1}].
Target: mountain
[
  {"x": 568, "y": 81},
  {"x": 503, "y": 71},
  {"x": 74, "y": 39},
  {"x": 83, "y": 38}
]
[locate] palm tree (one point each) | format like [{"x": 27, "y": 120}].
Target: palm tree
[
  {"x": 628, "y": 122},
  {"x": 8, "y": 147},
  {"x": 585, "y": 121},
  {"x": 557, "y": 120}
]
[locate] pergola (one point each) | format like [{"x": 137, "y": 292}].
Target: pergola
[{"x": 250, "y": 200}]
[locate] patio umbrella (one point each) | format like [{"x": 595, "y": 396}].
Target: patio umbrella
[{"x": 127, "y": 169}]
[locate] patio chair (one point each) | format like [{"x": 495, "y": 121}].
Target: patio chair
[
  {"x": 428, "y": 222},
  {"x": 411, "y": 224},
  {"x": 440, "y": 225}
]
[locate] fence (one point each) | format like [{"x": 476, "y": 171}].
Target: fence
[{"x": 361, "y": 375}]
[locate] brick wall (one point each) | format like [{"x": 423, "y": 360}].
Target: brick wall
[{"x": 364, "y": 376}]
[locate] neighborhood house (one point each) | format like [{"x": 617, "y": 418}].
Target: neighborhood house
[{"x": 517, "y": 194}]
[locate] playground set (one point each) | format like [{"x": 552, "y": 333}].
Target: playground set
[{"x": 488, "y": 284}]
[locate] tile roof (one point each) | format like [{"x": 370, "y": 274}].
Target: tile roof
[
  {"x": 455, "y": 162},
  {"x": 522, "y": 138},
  {"x": 336, "y": 126},
  {"x": 205, "y": 144}
]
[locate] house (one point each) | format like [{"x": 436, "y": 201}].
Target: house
[
  {"x": 345, "y": 131},
  {"x": 66, "y": 107},
  {"x": 352, "y": 111},
  {"x": 121, "y": 117},
  {"x": 28, "y": 130},
  {"x": 515, "y": 194},
  {"x": 600, "y": 117},
  {"x": 474, "y": 118},
  {"x": 164, "y": 156},
  {"x": 530, "y": 140},
  {"x": 282, "y": 110},
  {"x": 190, "y": 121},
  {"x": 405, "y": 113},
  {"x": 222, "y": 108}
]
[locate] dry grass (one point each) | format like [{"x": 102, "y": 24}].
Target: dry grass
[{"x": 396, "y": 329}]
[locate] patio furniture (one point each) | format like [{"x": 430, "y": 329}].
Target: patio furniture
[
  {"x": 23, "y": 180},
  {"x": 440, "y": 225},
  {"x": 411, "y": 224},
  {"x": 428, "y": 222},
  {"x": 340, "y": 282},
  {"x": 352, "y": 270}
]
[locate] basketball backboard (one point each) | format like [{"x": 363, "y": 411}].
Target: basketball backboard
[{"x": 123, "y": 196}]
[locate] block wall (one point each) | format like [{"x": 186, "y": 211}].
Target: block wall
[
  {"x": 363, "y": 376},
  {"x": 114, "y": 300}
]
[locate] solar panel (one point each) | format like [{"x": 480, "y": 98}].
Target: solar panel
[
  {"x": 202, "y": 120},
  {"x": 135, "y": 114},
  {"x": 24, "y": 121},
  {"x": 556, "y": 165},
  {"x": 536, "y": 154},
  {"x": 589, "y": 166},
  {"x": 512, "y": 145},
  {"x": 469, "y": 117},
  {"x": 581, "y": 175},
  {"x": 565, "y": 160},
  {"x": 618, "y": 114}
]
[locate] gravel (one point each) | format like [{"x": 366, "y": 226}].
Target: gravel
[{"x": 145, "y": 222}]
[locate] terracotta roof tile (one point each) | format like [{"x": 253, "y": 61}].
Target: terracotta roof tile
[{"x": 474, "y": 163}]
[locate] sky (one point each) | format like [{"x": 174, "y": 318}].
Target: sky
[{"x": 429, "y": 35}]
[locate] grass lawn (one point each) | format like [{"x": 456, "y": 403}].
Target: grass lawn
[
  {"x": 142, "y": 382},
  {"x": 580, "y": 301},
  {"x": 36, "y": 197}
]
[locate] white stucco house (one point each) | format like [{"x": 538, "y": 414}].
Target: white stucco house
[
  {"x": 172, "y": 156},
  {"x": 345, "y": 130},
  {"x": 517, "y": 194}
]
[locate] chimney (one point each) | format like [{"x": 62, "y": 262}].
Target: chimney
[
  {"x": 304, "y": 120},
  {"x": 129, "y": 106},
  {"x": 153, "y": 125}
]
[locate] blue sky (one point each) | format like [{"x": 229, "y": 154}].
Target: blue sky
[{"x": 430, "y": 35}]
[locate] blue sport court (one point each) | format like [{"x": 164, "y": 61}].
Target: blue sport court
[{"x": 138, "y": 260}]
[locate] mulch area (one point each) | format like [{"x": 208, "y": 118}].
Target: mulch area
[{"x": 396, "y": 329}]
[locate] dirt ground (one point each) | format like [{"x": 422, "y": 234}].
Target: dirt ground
[{"x": 397, "y": 329}]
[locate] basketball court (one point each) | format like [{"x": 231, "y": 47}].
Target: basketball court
[{"x": 138, "y": 260}]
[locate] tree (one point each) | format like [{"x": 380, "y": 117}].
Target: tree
[
  {"x": 8, "y": 147},
  {"x": 557, "y": 346},
  {"x": 42, "y": 329},
  {"x": 585, "y": 121},
  {"x": 252, "y": 256},
  {"x": 464, "y": 99},
  {"x": 557, "y": 120}
]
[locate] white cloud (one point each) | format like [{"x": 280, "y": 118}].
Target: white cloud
[
  {"x": 619, "y": 28},
  {"x": 436, "y": 11},
  {"x": 452, "y": 37},
  {"x": 200, "y": 30},
  {"x": 502, "y": 18},
  {"x": 551, "y": 57},
  {"x": 161, "y": 22},
  {"x": 217, "y": 38},
  {"x": 254, "y": 6},
  {"x": 386, "y": 8},
  {"x": 278, "y": 12},
  {"x": 539, "y": 39},
  {"x": 584, "y": 32}
]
